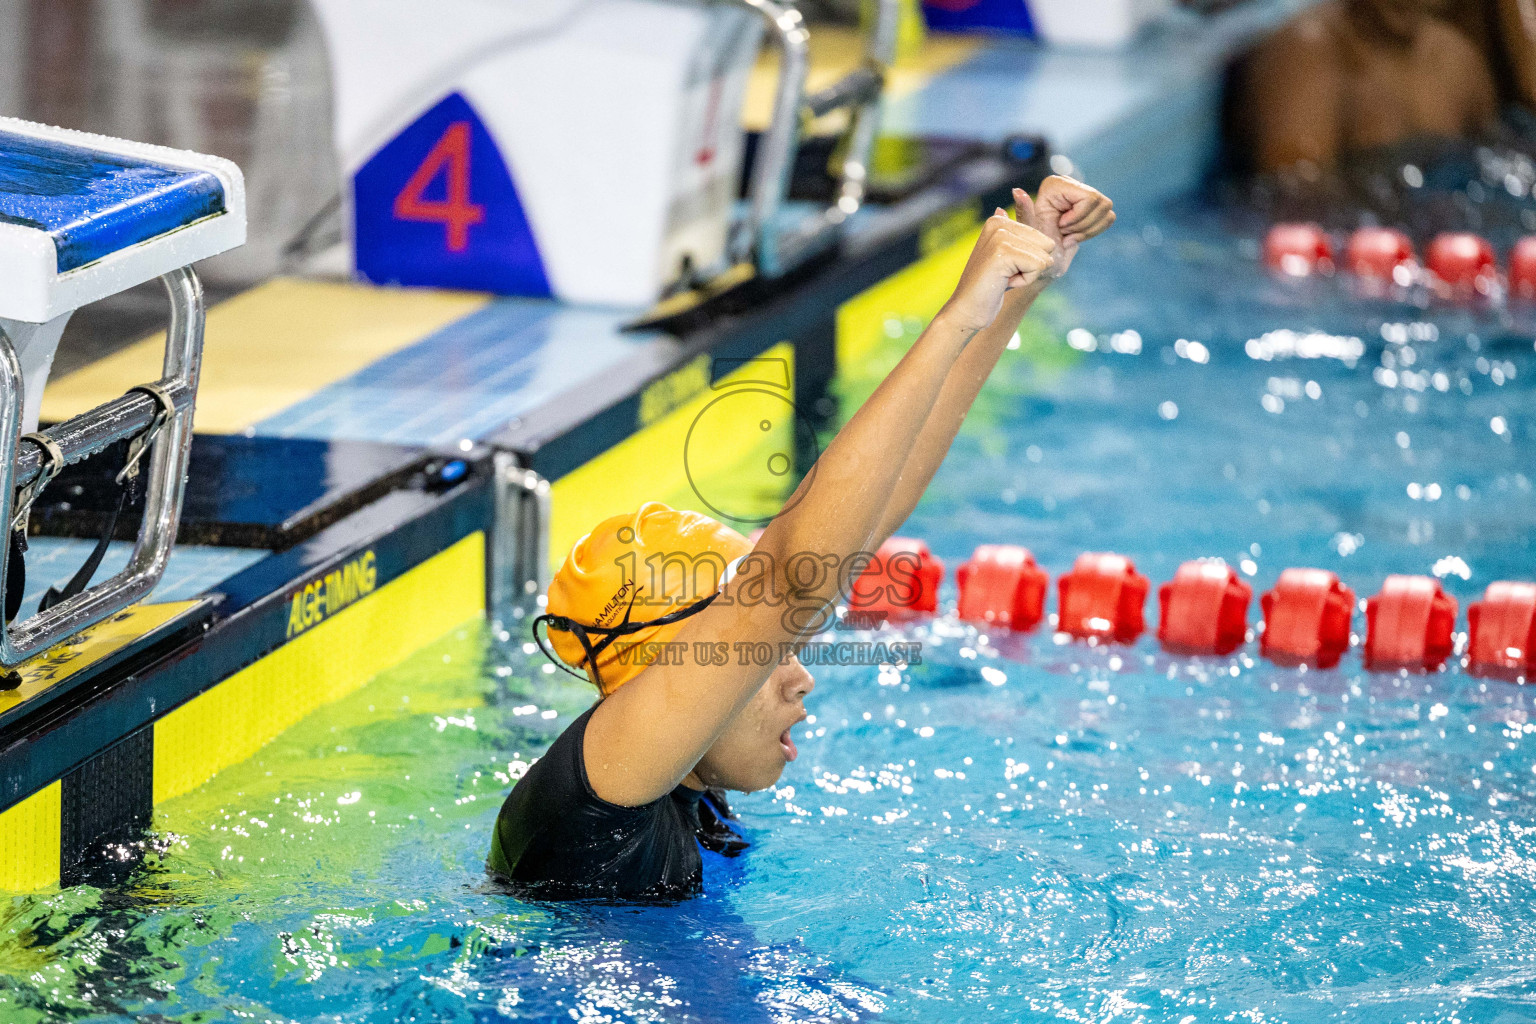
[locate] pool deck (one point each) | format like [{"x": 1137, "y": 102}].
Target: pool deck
[{"x": 483, "y": 383}]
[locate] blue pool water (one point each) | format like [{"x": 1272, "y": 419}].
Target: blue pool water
[{"x": 1018, "y": 829}]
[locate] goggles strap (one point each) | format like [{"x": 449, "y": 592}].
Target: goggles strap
[{"x": 582, "y": 632}]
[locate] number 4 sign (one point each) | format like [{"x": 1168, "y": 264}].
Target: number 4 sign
[
  {"x": 456, "y": 213},
  {"x": 437, "y": 206}
]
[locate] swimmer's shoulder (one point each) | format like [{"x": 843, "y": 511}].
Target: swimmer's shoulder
[
  {"x": 555, "y": 792},
  {"x": 540, "y": 799},
  {"x": 1440, "y": 38},
  {"x": 552, "y": 780},
  {"x": 1313, "y": 43},
  {"x": 560, "y": 763},
  {"x": 1318, "y": 30},
  {"x": 1456, "y": 60}
]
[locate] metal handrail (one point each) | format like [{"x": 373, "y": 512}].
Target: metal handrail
[
  {"x": 91, "y": 432},
  {"x": 779, "y": 143},
  {"x": 761, "y": 239},
  {"x": 879, "y": 55},
  {"x": 519, "y": 555}
]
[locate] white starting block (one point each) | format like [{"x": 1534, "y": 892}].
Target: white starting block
[
  {"x": 589, "y": 150},
  {"x": 83, "y": 217}
]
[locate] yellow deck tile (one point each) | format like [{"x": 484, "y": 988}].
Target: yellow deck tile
[{"x": 271, "y": 347}]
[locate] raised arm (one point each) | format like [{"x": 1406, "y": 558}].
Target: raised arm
[
  {"x": 1067, "y": 212},
  {"x": 644, "y": 738}
]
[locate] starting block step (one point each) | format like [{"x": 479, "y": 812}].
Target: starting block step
[
  {"x": 48, "y": 676},
  {"x": 248, "y": 492}
]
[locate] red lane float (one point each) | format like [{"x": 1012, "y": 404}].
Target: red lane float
[
  {"x": 1102, "y": 598},
  {"x": 1409, "y": 624},
  {"x": 1306, "y": 618},
  {"x": 1503, "y": 630},
  {"x": 1002, "y": 586},
  {"x": 1377, "y": 253},
  {"x": 1464, "y": 261},
  {"x": 1298, "y": 250},
  {"x": 904, "y": 576},
  {"x": 1522, "y": 268},
  {"x": 1203, "y": 609}
]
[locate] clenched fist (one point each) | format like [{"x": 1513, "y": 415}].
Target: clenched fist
[
  {"x": 1007, "y": 255},
  {"x": 1069, "y": 213}
]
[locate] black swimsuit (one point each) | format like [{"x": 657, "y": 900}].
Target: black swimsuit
[{"x": 557, "y": 839}]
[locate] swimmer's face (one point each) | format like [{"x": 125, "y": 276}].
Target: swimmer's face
[{"x": 752, "y": 752}]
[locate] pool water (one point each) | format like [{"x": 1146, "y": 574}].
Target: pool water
[{"x": 1016, "y": 829}]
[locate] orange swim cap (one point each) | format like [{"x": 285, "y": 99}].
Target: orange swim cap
[{"x": 636, "y": 568}]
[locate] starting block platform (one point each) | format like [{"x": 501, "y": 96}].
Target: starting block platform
[
  {"x": 373, "y": 467},
  {"x": 84, "y": 216}
]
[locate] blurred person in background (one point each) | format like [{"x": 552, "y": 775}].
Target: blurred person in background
[{"x": 1355, "y": 76}]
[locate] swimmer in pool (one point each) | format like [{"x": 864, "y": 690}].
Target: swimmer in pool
[{"x": 625, "y": 798}]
